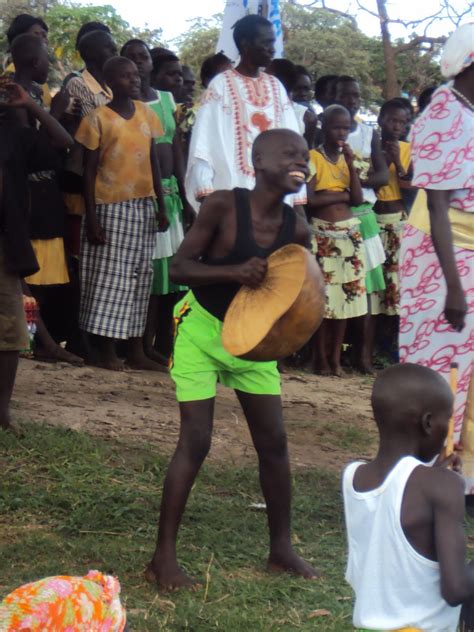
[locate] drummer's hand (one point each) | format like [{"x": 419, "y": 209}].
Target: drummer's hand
[{"x": 252, "y": 272}]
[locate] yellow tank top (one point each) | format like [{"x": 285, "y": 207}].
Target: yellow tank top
[
  {"x": 329, "y": 176},
  {"x": 391, "y": 191}
]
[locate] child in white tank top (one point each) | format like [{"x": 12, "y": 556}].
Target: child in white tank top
[{"x": 404, "y": 518}]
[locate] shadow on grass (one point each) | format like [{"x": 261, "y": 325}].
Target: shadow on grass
[{"x": 70, "y": 502}]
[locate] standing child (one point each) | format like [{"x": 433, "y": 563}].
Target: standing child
[
  {"x": 22, "y": 149},
  {"x": 50, "y": 285},
  {"x": 390, "y": 209},
  {"x": 373, "y": 173},
  {"x": 121, "y": 179},
  {"x": 337, "y": 240},
  {"x": 404, "y": 518}
]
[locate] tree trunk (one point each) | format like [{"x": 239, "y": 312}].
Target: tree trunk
[{"x": 391, "y": 89}]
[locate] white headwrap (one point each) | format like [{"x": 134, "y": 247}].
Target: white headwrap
[{"x": 458, "y": 52}]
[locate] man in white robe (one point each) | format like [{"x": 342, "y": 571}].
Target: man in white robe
[{"x": 238, "y": 105}]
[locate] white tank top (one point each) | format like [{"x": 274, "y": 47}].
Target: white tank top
[
  {"x": 395, "y": 586},
  {"x": 360, "y": 141}
]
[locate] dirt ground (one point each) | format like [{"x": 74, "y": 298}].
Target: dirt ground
[{"x": 328, "y": 419}]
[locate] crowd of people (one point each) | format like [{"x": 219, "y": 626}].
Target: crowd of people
[{"x": 122, "y": 191}]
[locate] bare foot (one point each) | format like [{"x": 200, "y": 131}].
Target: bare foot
[
  {"x": 290, "y": 562},
  {"x": 12, "y": 428},
  {"x": 57, "y": 354},
  {"x": 143, "y": 363},
  {"x": 322, "y": 369},
  {"x": 337, "y": 371},
  {"x": 111, "y": 364},
  {"x": 169, "y": 576},
  {"x": 365, "y": 368},
  {"x": 156, "y": 356}
]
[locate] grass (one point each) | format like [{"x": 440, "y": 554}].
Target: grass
[{"x": 70, "y": 502}]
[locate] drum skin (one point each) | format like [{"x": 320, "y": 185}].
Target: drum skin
[{"x": 276, "y": 319}]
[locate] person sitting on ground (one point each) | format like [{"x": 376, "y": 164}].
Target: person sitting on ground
[
  {"x": 50, "y": 285},
  {"x": 213, "y": 66},
  {"x": 23, "y": 149},
  {"x": 122, "y": 178},
  {"x": 404, "y": 517},
  {"x": 227, "y": 248},
  {"x": 337, "y": 240}
]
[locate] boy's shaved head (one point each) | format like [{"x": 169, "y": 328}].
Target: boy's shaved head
[
  {"x": 113, "y": 65},
  {"x": 404, "y": 393},
  {"x": 266, "y": 141},
  {"x": 333, "y": 110},
  {"x": 26, "y": 49}
]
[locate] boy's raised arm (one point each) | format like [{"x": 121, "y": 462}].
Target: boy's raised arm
[{"x": 457, "y": 577}]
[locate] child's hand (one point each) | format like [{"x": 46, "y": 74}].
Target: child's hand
[
  {"x": 348, "y": 154},
  {"x": 63, "y": 103},
  {"x": 392, "y": 151},
  {"x": 162, "y": 220},
  {"x": 452, "y": 461},
  {"x": 17, "y": 96},
  {"x": 189, "y": 215},
  {"x": 95, "y": 233}
]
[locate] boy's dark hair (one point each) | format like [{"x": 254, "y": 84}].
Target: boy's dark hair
[
  {"x": 112, "y": 64},
  {"x": 159, "y": 51},
  {"x": 405, "y": 103},
  {"x": 285, "y": 71},
  {"x": 89, "y": 27},
  {"x": 25, "y": 49},
  {"x": 247, "y": 28},
  {"x": 211, "y": 65},
  {"x": 160, "y": 60},
  {"x": 89, "y": 42},
  {"x": 22, "y": 24},
  {"x": 321, "y": 84},
  {"x": 392, "y": 104},
  {"x": 302, "y": 70},
  {"x": 131, "y": 42},
  {"x": 425, "y": 97},
  {"x": 344, "y": 79}
]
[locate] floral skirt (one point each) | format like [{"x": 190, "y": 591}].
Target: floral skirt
[
  {"x": 388, "y": 301},
  {"x": 339, "y": 251}
]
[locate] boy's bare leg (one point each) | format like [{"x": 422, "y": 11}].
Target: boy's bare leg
[
  {"x": 265, "y": 421},
  {"x": 108, "y": 358},
  {"x": 320, "y": 343},
  {"x": 137, "y": 359},
  {"x": 364, "y": 353},
  {"x": 338, "y": 330},
  {"x": 151, "y": 329},
  {"x": 8, "y": 368},
  {"x": 193, "y": 446}
]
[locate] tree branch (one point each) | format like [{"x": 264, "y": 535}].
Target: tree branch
[{"x": 417, "y": 41}]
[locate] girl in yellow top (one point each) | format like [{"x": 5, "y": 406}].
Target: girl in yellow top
[
  {"x": 121, "y": 180},
  {"x": 337, "y": 241},
  {"x": 390, "y": 209}
]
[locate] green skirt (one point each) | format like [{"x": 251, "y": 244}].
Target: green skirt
[{"x": 374, "y": 251}]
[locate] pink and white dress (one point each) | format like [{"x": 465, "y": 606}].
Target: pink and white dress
[{"x": 443, "y": 159}]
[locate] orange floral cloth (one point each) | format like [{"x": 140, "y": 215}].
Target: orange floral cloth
[{"x": 65, "y": 604}]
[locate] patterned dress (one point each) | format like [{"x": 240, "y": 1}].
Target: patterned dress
[{"x": 443, "y": 159}]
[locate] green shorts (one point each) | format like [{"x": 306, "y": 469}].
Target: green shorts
[{"x": 200, "y": 361}]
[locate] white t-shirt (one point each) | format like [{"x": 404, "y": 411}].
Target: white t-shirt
[{"x": 395, "y": 586}]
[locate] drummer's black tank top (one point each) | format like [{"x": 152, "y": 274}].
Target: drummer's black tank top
[{"x": 216, "y": 298}]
